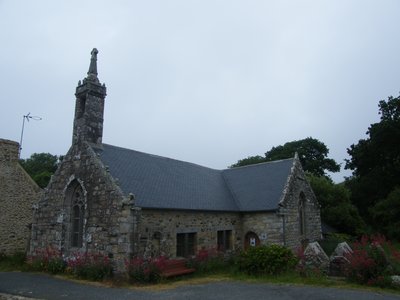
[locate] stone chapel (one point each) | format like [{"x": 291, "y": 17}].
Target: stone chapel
[{"x": 123, "y": 203}]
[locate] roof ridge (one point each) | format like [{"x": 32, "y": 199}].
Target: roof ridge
[
  {"x": 258, "y": 164},
  {"x": 163, "y": 157}
]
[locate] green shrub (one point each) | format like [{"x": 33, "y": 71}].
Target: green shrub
[
  {"x": 56, "y": 265},
  {"x": 12, "y": 262},
  {"x": 329, "y": 244},
  {"x": 17, "y": 259},
  {"x": 46, "y": 260},
  {"x": 3, "y": 256},
  {"x": 267, "y": 260}
]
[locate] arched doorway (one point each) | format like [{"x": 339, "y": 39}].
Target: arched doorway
[{"x": 251, "y": 240}]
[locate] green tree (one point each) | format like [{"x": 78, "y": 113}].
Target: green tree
[
  {"x": 251, "y": 160},
  {"x": 375, "y": 162},
  {"x": 336, "y": 207},
  {"x": 313, "y": 155},
  {"x": 40, "y": 166},
  {"x": 387, "y": 213}
]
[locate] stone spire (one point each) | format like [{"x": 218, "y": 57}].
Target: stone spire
[
  {"x": 92, "y": 73},
  {"x": 89, "y": 108}
]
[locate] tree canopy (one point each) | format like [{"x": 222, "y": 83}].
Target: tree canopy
[
  {"x": 375, "y": 162},
  {"x": 313, "y": 155},
  {"x": 40, "y": 166},
  {"x": 250, "y": 160},
  {"x": 336, "y": 207}
]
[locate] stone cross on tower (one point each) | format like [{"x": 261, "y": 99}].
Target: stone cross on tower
[
  {"x": 92, "y": 73},
  {"x": 89, "y": 106}
]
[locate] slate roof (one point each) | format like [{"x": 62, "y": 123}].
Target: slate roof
[
  {"x": 160, "y": 182},
  {"x": 258, "y": 187}
]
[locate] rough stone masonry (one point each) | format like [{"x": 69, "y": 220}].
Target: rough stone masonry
[{"x": 18, "y": 193}]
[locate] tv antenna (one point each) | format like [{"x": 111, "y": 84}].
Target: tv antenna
[{"x": 26, "y": 117}]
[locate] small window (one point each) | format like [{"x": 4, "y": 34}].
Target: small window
[
  {"x": 185, "y": 244},
  {"x": 224, "y": 239},
  {"x": 81, "y": 107}
]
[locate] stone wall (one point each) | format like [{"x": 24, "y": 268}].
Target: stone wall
[
  {"x": 297, "y": 184},
  {"x": 108, "y": 220},
  {"x": 157, "y": 230},
  {"x": 283, "y": 226},
  {"x": 18, "y": 192},
  {"x": 266, "y": 225}
]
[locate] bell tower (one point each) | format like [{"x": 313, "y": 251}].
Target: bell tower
[{"x": 89, "y": 106}]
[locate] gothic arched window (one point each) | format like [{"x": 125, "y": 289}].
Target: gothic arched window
[
  {"x": 302, "y": 214},
  {"x": 77, "y": 217}
]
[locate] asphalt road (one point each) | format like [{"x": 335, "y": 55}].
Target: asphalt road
[{"x": 41, "y": 286}]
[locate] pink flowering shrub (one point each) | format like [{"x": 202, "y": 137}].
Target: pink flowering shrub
[
  {"x": 373, "y": 260},
  {"x": 208, "y": 261},
  {"x": 46, "y": 260},
  {"x": 93, "y": 266},
  {"x": 147, "y": 270}
]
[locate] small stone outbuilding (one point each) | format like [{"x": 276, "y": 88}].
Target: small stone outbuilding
[
  {"x": 123, "y": 202},
  {"x": 18, "y": 192}
]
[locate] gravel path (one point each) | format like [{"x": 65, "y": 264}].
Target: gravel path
[{"x": 16, "y": 285}]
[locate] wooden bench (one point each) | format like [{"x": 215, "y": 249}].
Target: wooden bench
[{"x": 176, "y": 267}]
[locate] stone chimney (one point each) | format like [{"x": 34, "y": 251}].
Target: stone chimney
[{"x": 9, "y": 150}]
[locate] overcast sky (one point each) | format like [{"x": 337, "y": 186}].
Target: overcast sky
[{"x": 209, "y": 82}]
